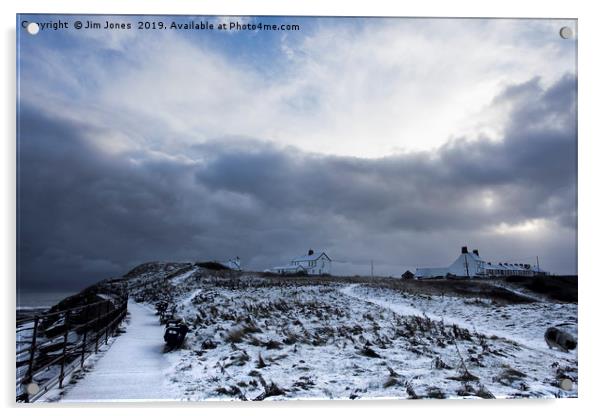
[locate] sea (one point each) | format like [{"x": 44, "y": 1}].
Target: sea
[{"x": 40, "y": 300}]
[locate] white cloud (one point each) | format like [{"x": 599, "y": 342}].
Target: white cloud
[{"x": 386, "y": 87}]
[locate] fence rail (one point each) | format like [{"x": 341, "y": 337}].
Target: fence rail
[{"x": 51, "y": 346}]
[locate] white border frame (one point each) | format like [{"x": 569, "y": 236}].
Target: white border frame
[{"x": 590, "y": 207}]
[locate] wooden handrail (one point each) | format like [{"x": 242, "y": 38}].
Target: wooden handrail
[{"x": 68, "y": 355}]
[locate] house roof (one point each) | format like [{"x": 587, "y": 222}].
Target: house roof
[
  {"x": 511, "y": 266},
  {"x": 471, "y": 259},
  {"x": 311, "y": 257},
  {"x": 473, "y": 256}
]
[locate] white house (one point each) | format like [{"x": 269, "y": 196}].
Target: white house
[
  {"x": 313, "y": 263},
  {"x": 472, "y": 265},
  {"x": 287, "y": 269}
]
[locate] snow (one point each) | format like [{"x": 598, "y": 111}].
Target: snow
[
  {"x": 335, "y": 368},
  {"x": 181, "y": 278},
  {"x": 133, "y": 368},
  {"x": 524, "y": 324},
  {"x": 250, "y": 336},
  {"x": 523, "y": 292}
]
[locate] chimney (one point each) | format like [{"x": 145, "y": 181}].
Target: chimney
[
  {"x": 475, "y": 251},
  {"x": 310, "y": 252},
  {"x": 464, "y": 250}
]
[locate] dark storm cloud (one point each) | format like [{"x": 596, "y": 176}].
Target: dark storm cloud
[
  {"x": 87, "y": 214},
  {"x": 532, "y": 173}
]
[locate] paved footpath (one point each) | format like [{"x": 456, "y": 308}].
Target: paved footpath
[{"x": 134, "y": 367}]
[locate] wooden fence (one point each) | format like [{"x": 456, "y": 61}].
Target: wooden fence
[{"x": 51, "y": 346}]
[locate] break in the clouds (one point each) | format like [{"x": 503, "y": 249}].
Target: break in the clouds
[{"x": 389, "y": 140}]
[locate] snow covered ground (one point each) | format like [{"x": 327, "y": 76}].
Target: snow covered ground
[
  {"x": 522, "y": 323},
  {"x": 255, "y": 338},
  {"x": 133, "y": 368}
]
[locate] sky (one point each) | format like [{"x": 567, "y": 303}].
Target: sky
[{"x": 385, "y": 140}]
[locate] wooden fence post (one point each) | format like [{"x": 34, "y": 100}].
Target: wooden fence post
[
  {"x": 85, "y": 337},
  {"x": 32, "y": 352},
  {"x": 98, "y": 314},
  {"x": 65, "y": 339},
  {"x": 107, "y": 315}
]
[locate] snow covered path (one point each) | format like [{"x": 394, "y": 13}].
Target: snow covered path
[
  {"x": 456, "y": 311},
  {"x": 134, "y": 368},
  {"x": 181, "y": 278}
]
